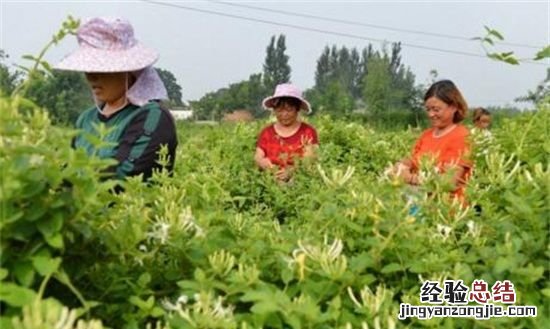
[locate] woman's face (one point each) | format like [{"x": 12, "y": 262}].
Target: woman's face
[
  {"x": 108, "y": 87},
  {"x": 483, "y": 122},
  {"x": 440, "y": 113},
  {"x": 286, "y": 114}
]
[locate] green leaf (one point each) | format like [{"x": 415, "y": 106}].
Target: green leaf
[
  {"x": 46, "y": 265},
  {"x": 46, "y": 66},
  {"x": 3, "y": 273},
  {"x": 29, "y": 57},
  {"x": 294, "y": 321},
  {"x": 157, "y": 312},
  {"x": 189, "y": 285},
  {"x": 544, "y": 53},
  {"x": 23, "y": 68},
  {"x": 264, "y": 307},
  {"x": 503, "y": 264},
  {"x": 489, "y": 41},
  {"x": 199, "y": 275},
  {"x": 361, "y": 262},
  {"x": 334, "y": 307},
  {"x": 511, "y": 60},
  {"x": 144, "y": 280},
  {"x": 55, "y": 241},
  {"x": 6, "y": 322},
  {"x": 287, "y": 275},
  {"x": 24, "y": 273},
  {"x": 390, "y": 268},
  {"x": 15, "y": 295},
  {"x": 256, "y": 295},
  {"x": 51, "y": 225},
  {"x": 496, "y": 34},
  {"x": 140, "y": 303},
  {"x": 495, "y": 56}
]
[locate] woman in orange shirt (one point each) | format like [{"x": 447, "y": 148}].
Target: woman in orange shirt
[{"x": 446, "y": 142}]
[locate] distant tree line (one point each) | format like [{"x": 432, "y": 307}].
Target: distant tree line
[
  {"x": 248, "y": 94},
  {"x": 346, "y": 81},
  {"x": 367, "y": 84}
]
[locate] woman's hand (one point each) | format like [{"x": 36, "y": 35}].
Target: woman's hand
[
  {"x": 261, "y": 160},
  {"x": 283, "y": 174},
  {"x": 403, "y": 170},
  {"x": 265, "y": 164}
]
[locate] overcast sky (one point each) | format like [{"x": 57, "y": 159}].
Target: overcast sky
[{"x": 207, "y": 51}]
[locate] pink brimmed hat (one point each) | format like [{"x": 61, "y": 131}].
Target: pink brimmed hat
[
  {"x": 286, "y": 90},
  {"x": 107, "y": 45}
]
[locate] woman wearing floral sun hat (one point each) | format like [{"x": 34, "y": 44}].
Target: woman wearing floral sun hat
[
  {"x": 280, "y": 143},
  {"x": 126, "y": 90}
]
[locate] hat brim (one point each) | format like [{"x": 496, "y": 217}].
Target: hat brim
[
  {"x": 268, "y": 103},
  {"x": 87, "y": 59}
]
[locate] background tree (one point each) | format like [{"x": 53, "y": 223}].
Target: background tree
[
  {"x": 377, "y": 84},
  {"x": 172, "y": 87},
  {"x": 64, "y": 94},
  {"x": 276, "y": 67},
  {"x": 246, "y": 94},
  {"x": 343, "y": 78},
  {"x": 8, "y": 79},
  {"x": 324, "y": 70},
  {"x": 541, "y": 92}
]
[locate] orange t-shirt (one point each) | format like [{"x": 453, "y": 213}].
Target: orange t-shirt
[{"x": 448, "y": 151}]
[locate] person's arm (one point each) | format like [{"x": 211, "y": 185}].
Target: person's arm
[
  {"x": 261, "y": 160},
  {"x": 310, "y": 141},
  {"x": 458, "y": 177},
  {"x": 404, "y": 170},
  {"x": 456, "y": 158},
  {"x": 310, "y": 151},
  {"x": 139, "y": 145}
]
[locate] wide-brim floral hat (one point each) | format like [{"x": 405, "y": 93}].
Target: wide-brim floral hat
[
  {"x": 107, "y": 45},
  {"x": 287, "y": 90}
]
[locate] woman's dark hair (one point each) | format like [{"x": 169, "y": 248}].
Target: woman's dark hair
[
  {"x": 294, "y": 102},
  {"x": 447, "y": 92},
  {"x": 479, "y": 112}
]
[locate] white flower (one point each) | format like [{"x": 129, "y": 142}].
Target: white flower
[
  {"x": 183, "y": 299},
  {"x": 444, "y": 231},
  {"x": 473, "y": 229},
  {"x": 160, "y": 232},
  {"x": 338, "y": 178}
]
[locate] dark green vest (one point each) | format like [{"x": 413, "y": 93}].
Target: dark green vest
[{"x": 89, "y": 123}]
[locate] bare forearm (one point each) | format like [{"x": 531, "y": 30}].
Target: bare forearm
[{"x": 263, "y": 162}]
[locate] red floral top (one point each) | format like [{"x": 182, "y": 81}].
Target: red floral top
[{"x": 282, "y": 150}]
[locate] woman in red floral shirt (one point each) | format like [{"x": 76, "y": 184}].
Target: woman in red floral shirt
[{"x": 280, "y": 143}]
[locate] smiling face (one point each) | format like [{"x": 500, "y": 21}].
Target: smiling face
[
  {"x": 108, "y": 87},
  {"x": 286, "y": 111},
  {"x": 440, "y": 113}
]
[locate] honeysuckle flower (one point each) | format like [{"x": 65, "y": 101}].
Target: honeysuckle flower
[
  {"x": 183, "y": 299},
  {"x": 338, "y": 178},
  {"x": 160, "y": 232},
  {"x": 222, "y": 262},
  {"x": 370, "y": 301},
  {"x": 444, "y": 231},
  {"x": 473, "y": 229},
  {"x": 167, "y": 305},
  {"x": 328, "y": 257}
]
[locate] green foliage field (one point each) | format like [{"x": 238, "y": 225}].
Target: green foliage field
[{"x": 221, "y": 245}]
